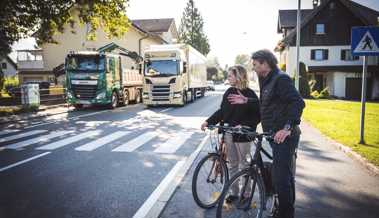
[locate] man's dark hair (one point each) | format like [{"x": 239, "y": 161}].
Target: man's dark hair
[{"x": 267, "y": 56}]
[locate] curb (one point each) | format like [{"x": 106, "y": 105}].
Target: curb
[
  {"x": 158, "y": 207},
  {"x": 374, "y": 170}
]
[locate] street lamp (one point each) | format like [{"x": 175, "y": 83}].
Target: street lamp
[{"x": 298, "y": 45}]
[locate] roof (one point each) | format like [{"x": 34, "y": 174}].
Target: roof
[
  {"x": 154, "y": 25},
  {"x": 11, "y": 62},
  {"x": 287, "y": 18},
  {"x": 367, "y": 15}
]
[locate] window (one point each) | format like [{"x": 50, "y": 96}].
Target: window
[
  {"x": 346, "y": 55},
  {"x": 319, "y": 54},
  {"x": 4, "y": 65},
  {"x": 320, "y": 28}
]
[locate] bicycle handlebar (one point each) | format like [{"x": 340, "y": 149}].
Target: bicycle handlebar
[{"x": 242, "y": 130}]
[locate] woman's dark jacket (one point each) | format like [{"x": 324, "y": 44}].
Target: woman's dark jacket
[{"x": 238, "y": 114}]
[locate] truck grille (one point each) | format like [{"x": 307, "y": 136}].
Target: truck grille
[
  {"x": 161, "y": 92},
  {"x": 84, "y": 92}
]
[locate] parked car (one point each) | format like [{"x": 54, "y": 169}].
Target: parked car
[{"x": 210, "y": 85}]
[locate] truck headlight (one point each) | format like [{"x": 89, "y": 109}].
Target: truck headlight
[
  {"x": 177, "y": 95},
  {"x": 101, "y": 95}
]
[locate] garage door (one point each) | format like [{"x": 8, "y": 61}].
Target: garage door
[{"x": 354, "y": 88}]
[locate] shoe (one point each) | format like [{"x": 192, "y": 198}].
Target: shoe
[{"x": 231, "y": 198}]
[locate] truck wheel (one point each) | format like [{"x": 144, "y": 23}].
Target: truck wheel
[
  {"x": 114, "y": 100},
  {"x": 138, "y": 97},
  {"x": 193, "y": 95},
  {"x": 126, "y": 98},
  {"x": 78, "y": 106},
  {"x": 184, "y": 98}
]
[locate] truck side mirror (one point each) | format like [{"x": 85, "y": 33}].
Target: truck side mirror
[{"x": 184, "y": 67}]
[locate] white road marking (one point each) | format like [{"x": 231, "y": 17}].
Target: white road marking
[
  {"x": 173, "y": 144},
  {"x": 134, "y": 144},
  {"x": 7, "y": 131},
  {"x": 165, "y": 110},
  {"x": 154, "y": 205},
  {"x": 102, "y": 141},
  {"x": 70, "y": 140},
  {"x": 149, "y": 203},
  {"x": 24, "y": 161},
  {"x": 22, "y": 135},
  {"x": 43, "y": 138},
  {"x": 83, "y": 115}
]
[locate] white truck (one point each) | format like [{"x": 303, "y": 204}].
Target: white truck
[{"x": 173, "y": 75}]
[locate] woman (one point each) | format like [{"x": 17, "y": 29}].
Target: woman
[{"x": 238, "y": 147}]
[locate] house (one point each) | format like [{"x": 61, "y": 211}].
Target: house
[
  {"x": 8, "y": 66},
  {"x": 41, "y": 64},
  {"x": 325, "y": 46}
]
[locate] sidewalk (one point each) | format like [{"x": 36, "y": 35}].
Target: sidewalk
[
  {"x": 43, "y": 111},
  {"x": 328, "y": 184}
]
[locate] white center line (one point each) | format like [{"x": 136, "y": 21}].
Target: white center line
[
  {"x": 70, "y": 140},
  {"x": 133, "y": 144},
  {"x": 22, "y": 135},
  {"x": 173, "y": 144},
  {"x": 149, "y": 203},
  {"x": 24, "y": 161},
  {"x": 43, "y": 138},
  {"x": 102, "y": 141}
]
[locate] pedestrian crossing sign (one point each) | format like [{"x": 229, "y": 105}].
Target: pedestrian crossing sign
[{"x": 365, "y": 41}]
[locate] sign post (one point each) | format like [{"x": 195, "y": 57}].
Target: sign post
[{"x": 364, "y": 42}]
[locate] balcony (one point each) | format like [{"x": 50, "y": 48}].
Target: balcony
[{"x": 30, "y": 59}]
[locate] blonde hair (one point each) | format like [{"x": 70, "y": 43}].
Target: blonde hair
[{"x": 241, "y": 76}]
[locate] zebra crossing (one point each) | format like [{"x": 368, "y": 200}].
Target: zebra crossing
[{"x": 93, "y": 139}]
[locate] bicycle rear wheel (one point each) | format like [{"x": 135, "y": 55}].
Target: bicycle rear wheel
[
  {"x": 209, "y": 180},
  {"x": 243, "y": 196}
]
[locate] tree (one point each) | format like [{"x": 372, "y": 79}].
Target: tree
[
  {"x": 43, "y": 18},
  {"x": 191, "y": 29},
  {"x": 213, "y": 68},
  {"x": 244, "y": 60},
  {"x": 304, "y": 88}
]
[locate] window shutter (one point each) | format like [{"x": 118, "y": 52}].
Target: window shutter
[
  {"x": 343, "y": 55},
  {"x": 312, "y": 54},
  {"x": 326, "y": 54}
]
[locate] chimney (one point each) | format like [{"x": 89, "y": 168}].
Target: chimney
[{"x": 315, "y": 3}]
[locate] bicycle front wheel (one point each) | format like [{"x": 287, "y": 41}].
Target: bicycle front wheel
[
  {"x": 209, "y": 180},
  {"x": 243, "y": 196}
]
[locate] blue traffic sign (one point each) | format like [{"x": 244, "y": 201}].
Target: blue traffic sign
[{"x": 365, "y": 41}]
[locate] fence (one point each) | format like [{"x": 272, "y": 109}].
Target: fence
[{"x": 48, "y": 96}]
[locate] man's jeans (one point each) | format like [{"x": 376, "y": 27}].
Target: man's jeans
[{"x": 283, "y": 174}]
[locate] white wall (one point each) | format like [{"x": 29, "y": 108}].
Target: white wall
[
  {"x": 334, "y": 58},
  {"x": 10, "y": 70}
]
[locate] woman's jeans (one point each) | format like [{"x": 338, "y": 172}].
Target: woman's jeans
[{"x": 237, "y": 155}]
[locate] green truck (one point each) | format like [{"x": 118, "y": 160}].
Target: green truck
[{"x": 109, "y": 76}]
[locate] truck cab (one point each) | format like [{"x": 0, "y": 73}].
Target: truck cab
[{"x": 170, "y": 76}]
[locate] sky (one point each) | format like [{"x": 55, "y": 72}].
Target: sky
[{"x": 233, "y": 27}]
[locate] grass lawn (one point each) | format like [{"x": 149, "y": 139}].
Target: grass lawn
[{"x": 340, "y": 120}]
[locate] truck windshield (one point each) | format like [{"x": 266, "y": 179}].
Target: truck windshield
[
  {"x": 162, "y": 68},
  {"x": 85, "y": 63}
]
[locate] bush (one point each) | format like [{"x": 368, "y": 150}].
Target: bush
[
  {"x": 315, "y": 94},
  {"x": 324, "y": 93}
]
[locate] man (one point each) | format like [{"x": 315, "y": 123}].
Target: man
[{"x": 281, "y": 109}]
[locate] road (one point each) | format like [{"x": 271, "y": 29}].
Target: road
[
  {"x": 129, "y": 162},
  {"x": 96, "y": 163}
]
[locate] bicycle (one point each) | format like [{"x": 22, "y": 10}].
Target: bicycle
[
  {"x": 254, "y": 183},
  {"x": 211, "y": 170}
]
